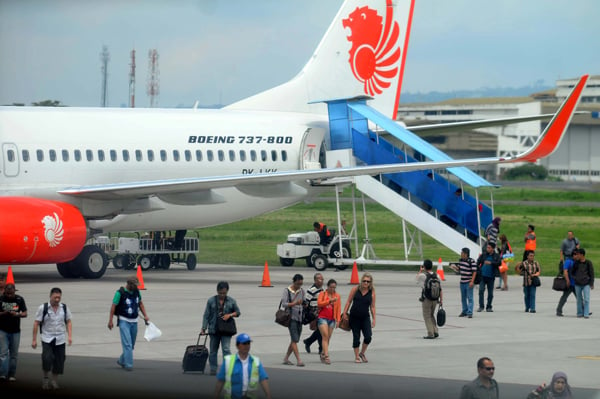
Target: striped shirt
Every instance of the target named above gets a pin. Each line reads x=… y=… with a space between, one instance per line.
x=466 y=268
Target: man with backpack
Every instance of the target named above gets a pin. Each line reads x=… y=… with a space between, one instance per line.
x=53 y=320
x=431 y=294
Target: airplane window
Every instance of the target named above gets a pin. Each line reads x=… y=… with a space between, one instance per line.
x=176 y=155
x=89 y=155
x=188 y=155
x=40 y=155
x=101 y=155
x=284 y=155
x=25 y=155
x=10 y=155
x=113 y=155
x=163 y=155
x=221 y=155
x=209 y=155
x=231 y=155
x=263 y=155
x=65 y=155
x=126 y=155
x=150 y=155
x=198 y=155
x=253 y=155
x=52 y=155
x=78 y=155
x=138 y=155
x=273 y=155
x=242 y=155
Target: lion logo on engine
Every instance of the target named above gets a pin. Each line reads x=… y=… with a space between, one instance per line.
x=53 y=229
x=375 y=53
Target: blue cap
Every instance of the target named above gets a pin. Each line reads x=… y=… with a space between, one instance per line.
x=242 y=338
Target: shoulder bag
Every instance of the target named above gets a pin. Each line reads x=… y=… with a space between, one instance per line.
x=559 y=283
x=283 y=316
x=227 y=327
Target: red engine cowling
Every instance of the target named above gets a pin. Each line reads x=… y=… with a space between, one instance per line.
x=35 y=230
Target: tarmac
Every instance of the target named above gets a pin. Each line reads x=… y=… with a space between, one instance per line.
x=525 y=348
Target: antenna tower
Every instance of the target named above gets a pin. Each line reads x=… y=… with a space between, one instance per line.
x=132 y=80
x=104 y=57
x=153 y=87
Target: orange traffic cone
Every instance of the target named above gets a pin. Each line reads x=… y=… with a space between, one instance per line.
x=354 y=276
x=440 y=270
x=266 y=280
x=140 y=278
x=9 y=276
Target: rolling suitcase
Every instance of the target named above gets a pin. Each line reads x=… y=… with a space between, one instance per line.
x=195 y=356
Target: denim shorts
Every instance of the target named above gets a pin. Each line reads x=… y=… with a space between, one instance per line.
x=330 y=323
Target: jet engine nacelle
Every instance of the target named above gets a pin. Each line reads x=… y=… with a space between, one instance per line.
x=39 y=231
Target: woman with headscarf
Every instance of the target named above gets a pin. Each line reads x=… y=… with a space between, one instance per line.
x=558 y=388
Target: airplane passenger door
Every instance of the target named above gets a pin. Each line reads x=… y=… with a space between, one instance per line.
x=10 y=159
x=313 y=149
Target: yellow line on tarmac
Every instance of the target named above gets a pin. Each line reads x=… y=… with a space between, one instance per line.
x=588 y=357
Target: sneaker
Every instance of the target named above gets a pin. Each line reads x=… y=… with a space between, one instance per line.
x=11 y=379
x=559 y=314
x=526 y=310
x=489 y=310
x=306 y=346
x=532 y=311
x=45 y=384
x=462 y=315
x=480 y=310
x=470 y=316
x=54 y=384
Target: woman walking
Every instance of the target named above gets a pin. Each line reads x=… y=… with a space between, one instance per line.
x=330 y=304
x=529 y=269
x=360 y=301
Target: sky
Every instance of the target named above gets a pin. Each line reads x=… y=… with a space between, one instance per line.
x=220 y=51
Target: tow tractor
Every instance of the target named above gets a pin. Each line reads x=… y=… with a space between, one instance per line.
x=127 y=252
x=308 y=246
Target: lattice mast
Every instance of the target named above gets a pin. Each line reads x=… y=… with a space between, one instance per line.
x=153 y=86
x=132 y=80
x=104 y=57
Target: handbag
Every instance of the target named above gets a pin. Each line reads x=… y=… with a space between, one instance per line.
x=345 y=324
x=440 y=316
x=477 y=276
x=283 y=316
x=535 y=281
x=559 y=283
x=308 y=315
x=227 y=327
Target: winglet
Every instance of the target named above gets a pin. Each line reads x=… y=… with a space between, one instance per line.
x=550 y=138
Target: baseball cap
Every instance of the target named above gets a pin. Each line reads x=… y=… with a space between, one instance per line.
x=133 y=280
x=242 y=338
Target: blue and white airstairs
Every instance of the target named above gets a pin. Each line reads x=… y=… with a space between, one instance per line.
x=425 y=200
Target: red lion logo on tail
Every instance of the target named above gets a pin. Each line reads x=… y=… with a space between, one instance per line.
x=374 y=51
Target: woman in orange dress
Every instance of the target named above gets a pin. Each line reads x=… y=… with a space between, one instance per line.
x=330 y=305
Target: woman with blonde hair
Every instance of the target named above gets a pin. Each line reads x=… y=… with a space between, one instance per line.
x=360 y=301
x=330 y=304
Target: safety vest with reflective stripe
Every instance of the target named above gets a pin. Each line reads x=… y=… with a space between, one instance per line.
x=251 y=391
x=530 y=242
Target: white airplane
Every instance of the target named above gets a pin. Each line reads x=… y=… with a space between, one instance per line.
x=67 y=174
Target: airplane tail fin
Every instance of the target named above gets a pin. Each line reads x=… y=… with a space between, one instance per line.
x=362 y=53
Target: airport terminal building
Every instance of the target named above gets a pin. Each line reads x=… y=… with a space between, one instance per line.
x=575 y=158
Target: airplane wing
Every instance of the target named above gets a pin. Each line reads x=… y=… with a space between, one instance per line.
x=545 y=145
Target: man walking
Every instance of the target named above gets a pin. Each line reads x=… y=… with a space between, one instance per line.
x=567 y=269
x=126 y=304
x=487 y=262
x=583 y=274
x=310 y=305
x=12 y=310
x=484 y=386
x=430 y=296
x=53 y=319
x=467 y=268
x=241 y=373
x=568 y=245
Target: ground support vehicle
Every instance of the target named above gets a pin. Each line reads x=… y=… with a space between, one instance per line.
x=308 y=246
x=127 y=252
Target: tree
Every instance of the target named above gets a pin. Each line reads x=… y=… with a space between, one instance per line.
x=526 y=172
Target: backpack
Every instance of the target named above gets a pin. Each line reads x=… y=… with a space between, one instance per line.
x=45 y=312
x=432 y=287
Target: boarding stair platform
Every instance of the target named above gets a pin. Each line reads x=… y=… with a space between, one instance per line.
x=434 y=204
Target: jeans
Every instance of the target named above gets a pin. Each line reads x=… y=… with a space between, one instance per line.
x=466 y=298
x=9 y=351
x=582 y=292
x=215 y=340
x=489 y=283
x=529 y=297
x=563 y=299
x=128 y=333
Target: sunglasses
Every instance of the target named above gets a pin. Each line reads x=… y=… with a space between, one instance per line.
x=366 y=281
x=490 y=368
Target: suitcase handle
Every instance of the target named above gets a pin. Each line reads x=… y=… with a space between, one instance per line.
x=205 y=338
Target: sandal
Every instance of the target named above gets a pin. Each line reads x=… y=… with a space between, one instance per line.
x=300 y=364
x=288 y=363
x=363 y=358
x=357 y=360
x=326 y=360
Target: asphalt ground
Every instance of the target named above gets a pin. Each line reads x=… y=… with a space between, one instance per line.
x=526 y=348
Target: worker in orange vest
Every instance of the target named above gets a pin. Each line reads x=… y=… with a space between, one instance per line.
x=324 y=233
x=529 y=241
